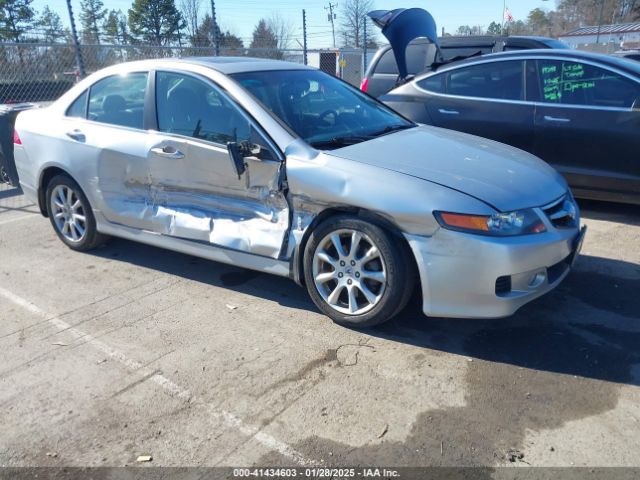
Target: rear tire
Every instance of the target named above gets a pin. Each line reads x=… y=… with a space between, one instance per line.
x=71 y=215
x=357 y=273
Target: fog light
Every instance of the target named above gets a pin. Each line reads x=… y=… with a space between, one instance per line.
x=537 y=279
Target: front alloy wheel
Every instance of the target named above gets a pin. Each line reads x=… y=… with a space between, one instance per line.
x=356 y=272
x=349 y=271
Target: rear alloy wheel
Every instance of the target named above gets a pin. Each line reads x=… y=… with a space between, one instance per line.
x=71 y=214
x=355 y=273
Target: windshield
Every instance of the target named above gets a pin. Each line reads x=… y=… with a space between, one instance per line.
x=324 y=111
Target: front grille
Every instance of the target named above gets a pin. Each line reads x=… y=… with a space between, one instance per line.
x=503 y=285
x=562 y=213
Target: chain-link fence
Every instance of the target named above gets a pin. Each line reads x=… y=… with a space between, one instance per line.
x=39 y=71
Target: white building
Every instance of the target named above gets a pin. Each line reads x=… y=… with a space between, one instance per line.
x=622 y=35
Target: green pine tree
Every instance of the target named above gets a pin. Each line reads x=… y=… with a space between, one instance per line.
x=92 y=15
x=51 y=25
x=155 y=21
x=264 y=42
x=16 y=16
x=115 y=27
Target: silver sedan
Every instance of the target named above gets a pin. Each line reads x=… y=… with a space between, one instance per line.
x=281 y=168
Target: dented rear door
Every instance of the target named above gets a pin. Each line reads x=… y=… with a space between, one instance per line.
x=110 y=145
x=195 y=192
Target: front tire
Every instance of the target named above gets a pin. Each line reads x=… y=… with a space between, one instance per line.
x=357 y=273
x=71 y=215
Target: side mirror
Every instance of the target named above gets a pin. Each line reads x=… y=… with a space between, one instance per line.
x=236 y=155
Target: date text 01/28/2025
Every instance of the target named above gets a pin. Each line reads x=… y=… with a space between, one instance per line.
x=333 y=473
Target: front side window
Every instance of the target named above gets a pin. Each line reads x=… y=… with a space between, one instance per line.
x=119 y=100
x=499 y=80
x=575 y=83
x=194 y=108
x=319 y=108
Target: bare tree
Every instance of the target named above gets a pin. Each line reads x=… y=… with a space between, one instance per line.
x=190 y=12
x=352 y=17
x=283 y=31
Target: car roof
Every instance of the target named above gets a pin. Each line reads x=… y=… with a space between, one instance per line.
x=225 y=65
x=606 y=60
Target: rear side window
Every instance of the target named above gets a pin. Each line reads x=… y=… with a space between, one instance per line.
x=79 y=107
x=499 y=80
x=576 y=83
x=119 y=100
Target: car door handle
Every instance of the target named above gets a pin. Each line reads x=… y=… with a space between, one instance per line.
x=168 y=152
x=549 y=118
x=444 y=111
x=77 y=135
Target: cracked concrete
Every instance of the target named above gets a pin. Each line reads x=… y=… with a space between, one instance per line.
x=558 y=382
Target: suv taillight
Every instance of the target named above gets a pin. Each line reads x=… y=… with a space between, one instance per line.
x=16 y=137
x=364 y=84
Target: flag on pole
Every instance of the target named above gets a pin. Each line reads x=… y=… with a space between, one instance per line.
x=507 y=15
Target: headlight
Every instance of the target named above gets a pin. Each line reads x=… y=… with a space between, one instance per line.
x=521 y=222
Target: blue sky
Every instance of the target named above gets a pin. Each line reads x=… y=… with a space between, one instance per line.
x=240 y=16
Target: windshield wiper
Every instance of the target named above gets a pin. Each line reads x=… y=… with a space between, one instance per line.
x=390 y=129
x=337 y=142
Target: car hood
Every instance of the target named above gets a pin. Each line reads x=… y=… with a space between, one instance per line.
x=504 y=177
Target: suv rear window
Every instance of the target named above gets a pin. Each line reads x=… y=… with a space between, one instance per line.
x=387 y=63
x=419 y=57
x=452 y=52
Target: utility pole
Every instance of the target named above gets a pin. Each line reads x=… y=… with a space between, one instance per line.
x=331 y=18
x=214 y=29
x=76 y=43
x=364 y=45
x=600 y=21
x=304 y=36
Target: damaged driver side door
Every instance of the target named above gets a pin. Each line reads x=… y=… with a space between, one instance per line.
x=196 y=193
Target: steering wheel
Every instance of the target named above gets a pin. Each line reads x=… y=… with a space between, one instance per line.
x=326 y=113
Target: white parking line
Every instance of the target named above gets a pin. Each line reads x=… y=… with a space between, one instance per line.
x=170 y=387
x=17 y=219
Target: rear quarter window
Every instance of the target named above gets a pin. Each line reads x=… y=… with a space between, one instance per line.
x=78 y=108
x=434 y=83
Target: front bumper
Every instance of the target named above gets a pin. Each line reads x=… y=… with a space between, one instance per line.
x=473 y=276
